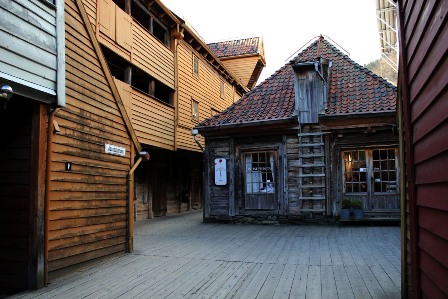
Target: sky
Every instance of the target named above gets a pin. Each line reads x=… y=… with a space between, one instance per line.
x=286 y=25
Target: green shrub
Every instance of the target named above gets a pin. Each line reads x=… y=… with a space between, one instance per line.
x=357 y=204
x=346 y=203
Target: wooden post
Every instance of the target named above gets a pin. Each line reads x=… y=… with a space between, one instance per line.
x=36 y=260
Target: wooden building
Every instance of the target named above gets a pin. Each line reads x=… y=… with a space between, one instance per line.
x=67 y=146
x=423 y=110
x=169 y=80
x=320 y=129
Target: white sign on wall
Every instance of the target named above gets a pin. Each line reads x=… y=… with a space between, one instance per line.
x=220 y=172
x=114 y=150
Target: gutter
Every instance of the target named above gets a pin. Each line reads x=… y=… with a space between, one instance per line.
x=247 y=124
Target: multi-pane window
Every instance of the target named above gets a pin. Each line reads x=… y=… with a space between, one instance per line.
x=195 y=110
x=355 y=171
x=259 y=172
x=370 y=171
x=384 y=171
x=195 y=65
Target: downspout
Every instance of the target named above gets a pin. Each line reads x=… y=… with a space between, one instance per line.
x=177 y=36
x=50 y=132
x=142 y=155
x=60 y=48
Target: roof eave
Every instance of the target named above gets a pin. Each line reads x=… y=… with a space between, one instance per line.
x=207 y=129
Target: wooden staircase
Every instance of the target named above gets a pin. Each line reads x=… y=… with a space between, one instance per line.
x=312 y=173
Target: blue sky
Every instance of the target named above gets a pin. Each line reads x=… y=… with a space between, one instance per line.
x=286 y=25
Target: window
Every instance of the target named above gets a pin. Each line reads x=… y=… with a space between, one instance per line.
x=384 y=171
x=149 y=18
x=195 y=65
x=355 y=171
x=221 y=90
x=195 y=110
x=259 y=172
x=372 y=171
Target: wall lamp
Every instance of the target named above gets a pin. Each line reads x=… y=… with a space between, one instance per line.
x=5 y=94
x=195 y=132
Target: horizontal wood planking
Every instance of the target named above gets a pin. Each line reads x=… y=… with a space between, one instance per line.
x=242 y=67
x=30 y=29
x=204 y=89
x=86 y=201
x=153 y=121
x=424 y=34
x=152 y=56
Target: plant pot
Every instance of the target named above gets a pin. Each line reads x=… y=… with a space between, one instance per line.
x=358 y=214
x=345 y=213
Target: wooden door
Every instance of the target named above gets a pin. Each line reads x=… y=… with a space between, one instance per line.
x=371 y=175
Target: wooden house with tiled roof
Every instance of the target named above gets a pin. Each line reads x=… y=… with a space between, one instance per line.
x=319 y=130
x=243 y=57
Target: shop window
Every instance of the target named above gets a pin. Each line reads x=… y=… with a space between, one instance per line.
x=373 y=171
x=259 y=172
x=355 y=171
x=384 y=171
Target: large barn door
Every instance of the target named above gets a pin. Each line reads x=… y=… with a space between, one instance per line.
x=312 y=170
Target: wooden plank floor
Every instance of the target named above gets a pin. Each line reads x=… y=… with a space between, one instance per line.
x=180 y=257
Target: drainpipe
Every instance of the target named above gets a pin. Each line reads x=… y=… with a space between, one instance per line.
x=145 y=156
x=51 y=131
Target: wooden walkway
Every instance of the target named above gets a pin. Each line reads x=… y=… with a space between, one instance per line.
x=180 y=257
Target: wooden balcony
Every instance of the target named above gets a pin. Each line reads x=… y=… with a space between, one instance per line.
x=152 y=120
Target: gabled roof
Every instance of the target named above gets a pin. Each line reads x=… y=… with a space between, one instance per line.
x=238 y=47
x=353 y=90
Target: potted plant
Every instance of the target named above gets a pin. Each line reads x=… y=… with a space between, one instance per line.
x=345 y=209
x=357 y=209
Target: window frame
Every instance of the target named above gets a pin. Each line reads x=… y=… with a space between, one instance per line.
x=195 y=65
x=195 y=110
x=370 y=171
x=265 y=178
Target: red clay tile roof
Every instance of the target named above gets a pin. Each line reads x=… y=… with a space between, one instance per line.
x=236 y=47
x=353 y=90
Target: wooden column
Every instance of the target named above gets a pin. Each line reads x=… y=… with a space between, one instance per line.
x=36 y=249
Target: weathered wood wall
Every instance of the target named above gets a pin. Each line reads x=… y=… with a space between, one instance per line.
x=204 y=89
x=423 y=83
x=28 y=28
x=218 y=198
x=88 y=212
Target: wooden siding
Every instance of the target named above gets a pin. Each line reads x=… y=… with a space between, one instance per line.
x=423 y=83
x=309 y=95
x=242 y=67
x=126 y=37
x=29 y=29
x=217 y=198
x=88 y=210
x=204 y=89
x=152 y=120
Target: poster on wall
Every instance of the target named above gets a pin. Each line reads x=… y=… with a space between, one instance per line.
x=220 y=172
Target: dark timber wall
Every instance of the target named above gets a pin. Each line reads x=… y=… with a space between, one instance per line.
x=424 y=94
